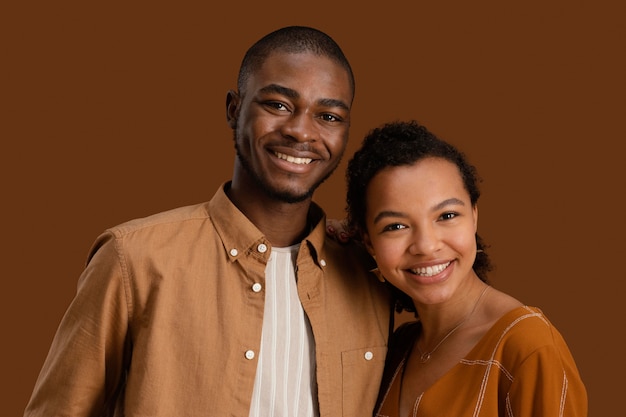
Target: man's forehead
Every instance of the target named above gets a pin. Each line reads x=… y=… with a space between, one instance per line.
x=284 y=68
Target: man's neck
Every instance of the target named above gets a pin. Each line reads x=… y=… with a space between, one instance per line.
x=283 y=224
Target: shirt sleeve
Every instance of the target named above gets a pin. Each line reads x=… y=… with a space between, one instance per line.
x=85 y=366
x=547 y=383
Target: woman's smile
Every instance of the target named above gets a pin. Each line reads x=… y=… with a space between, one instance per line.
x=430 y=271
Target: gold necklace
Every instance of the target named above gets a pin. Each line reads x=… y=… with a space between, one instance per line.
x=425 y=356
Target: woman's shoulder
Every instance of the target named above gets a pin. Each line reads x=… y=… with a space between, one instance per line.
x=506 y=316
x=509 y=325
x=523 y=321
x=521 y=332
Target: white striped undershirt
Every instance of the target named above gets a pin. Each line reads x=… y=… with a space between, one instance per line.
x=285 y=383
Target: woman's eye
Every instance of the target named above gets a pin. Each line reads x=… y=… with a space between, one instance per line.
x=393 y=226
x=448 y=216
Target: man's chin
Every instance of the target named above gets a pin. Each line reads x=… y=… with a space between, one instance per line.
x=290 y=197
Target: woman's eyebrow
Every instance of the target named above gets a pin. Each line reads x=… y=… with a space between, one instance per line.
x=387 y=213
x=390 y=213
x=449 y=202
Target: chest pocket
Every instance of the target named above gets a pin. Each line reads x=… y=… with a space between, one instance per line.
x=362 y=371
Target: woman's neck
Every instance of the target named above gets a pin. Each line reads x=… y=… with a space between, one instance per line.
x=440 y=320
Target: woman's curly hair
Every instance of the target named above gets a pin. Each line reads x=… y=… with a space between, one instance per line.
x=398 y=144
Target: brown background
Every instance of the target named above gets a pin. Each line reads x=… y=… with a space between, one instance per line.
x=116 y=111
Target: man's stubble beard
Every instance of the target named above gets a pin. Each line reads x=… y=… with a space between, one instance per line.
x=278 y=195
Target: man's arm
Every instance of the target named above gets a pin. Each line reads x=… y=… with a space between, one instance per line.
x=86 y=363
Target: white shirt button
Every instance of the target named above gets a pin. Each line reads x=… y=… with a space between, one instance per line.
x=368 y=356
x=256 y=287
x=249 y=354
x=234 y=252
x=262 y=248
x=322 y=262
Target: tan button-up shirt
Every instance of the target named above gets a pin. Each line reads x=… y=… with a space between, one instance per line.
x=168 y=314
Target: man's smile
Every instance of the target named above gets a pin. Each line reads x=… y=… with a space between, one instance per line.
x=293 y=159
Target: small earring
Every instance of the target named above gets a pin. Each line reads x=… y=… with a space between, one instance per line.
x=479 y=250
x=378 y=274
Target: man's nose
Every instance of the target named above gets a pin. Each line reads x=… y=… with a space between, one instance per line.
x=301 y=127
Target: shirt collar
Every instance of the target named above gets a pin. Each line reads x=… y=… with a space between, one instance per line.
x=240 y=236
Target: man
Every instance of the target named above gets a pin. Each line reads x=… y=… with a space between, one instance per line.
x=241 y=306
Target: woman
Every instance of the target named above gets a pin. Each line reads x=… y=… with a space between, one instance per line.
x=473 y=350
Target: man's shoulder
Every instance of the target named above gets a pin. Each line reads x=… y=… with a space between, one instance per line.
x=352 y=254
x=172 y=218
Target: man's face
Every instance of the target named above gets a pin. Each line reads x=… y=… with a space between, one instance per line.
x=291 y=124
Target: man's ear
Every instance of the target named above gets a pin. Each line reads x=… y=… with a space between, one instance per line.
x=232 y=108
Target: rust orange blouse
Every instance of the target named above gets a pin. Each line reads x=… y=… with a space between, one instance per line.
x=522 y=367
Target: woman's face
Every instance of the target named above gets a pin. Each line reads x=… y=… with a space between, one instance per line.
x=421 y=228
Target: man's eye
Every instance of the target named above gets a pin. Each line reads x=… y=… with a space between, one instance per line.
x=330 y=118
x=276 y=105
x=393 y=226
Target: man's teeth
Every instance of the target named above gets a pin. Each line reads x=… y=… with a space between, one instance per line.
x=429 y=271
x=293 y=160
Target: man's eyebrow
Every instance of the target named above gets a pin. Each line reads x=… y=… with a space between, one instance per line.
x=279 y=89
x=331 y=102
x=293 y=94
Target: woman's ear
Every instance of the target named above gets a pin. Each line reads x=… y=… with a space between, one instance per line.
x=475 y=211
x=232 y=108
x=367 y=242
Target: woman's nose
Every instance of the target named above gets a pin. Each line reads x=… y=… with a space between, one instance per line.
x=425 y=241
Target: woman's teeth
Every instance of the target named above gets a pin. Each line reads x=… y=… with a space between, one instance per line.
x=429 y=271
